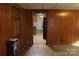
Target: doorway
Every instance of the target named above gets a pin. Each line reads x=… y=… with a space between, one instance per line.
x=39 y=27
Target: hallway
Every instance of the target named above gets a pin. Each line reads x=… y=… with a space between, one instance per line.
x=38 y=38
x=39 y=47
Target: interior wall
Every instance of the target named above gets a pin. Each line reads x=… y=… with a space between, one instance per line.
x=13 y=19
x=5 y=28
x=26 y=30
x=63 y=27
x=38 y=21
x=39 y=25
x=29 y=27
x=34 y=19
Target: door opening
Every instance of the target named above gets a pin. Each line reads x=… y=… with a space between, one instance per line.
x=39 y=28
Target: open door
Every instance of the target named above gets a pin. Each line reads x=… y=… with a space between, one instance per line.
x=45 y=28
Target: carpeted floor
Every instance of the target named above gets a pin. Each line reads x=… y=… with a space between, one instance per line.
x=40 y=48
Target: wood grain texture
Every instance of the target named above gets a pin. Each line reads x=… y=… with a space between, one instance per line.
x=15 y=22
x=26 y=27
x=26 y=37
x=5 y=27
x=10 y=18
x=62 y=29
x=29 y=27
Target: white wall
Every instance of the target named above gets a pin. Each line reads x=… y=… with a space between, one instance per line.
x=34 y=20
x=39 y=25
x=39 y=21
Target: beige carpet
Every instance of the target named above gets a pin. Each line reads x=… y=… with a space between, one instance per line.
x=38 y=38
x=39 y=48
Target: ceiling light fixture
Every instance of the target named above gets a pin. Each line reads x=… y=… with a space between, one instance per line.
x=41 y=16
x=62 y=14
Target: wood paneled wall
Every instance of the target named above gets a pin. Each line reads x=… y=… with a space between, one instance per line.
x=15 y=22
x=26 y=28
x=63 y=27
x=29 y=23
x=5 y=30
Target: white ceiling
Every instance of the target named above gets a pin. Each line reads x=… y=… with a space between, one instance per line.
x=69 y=6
